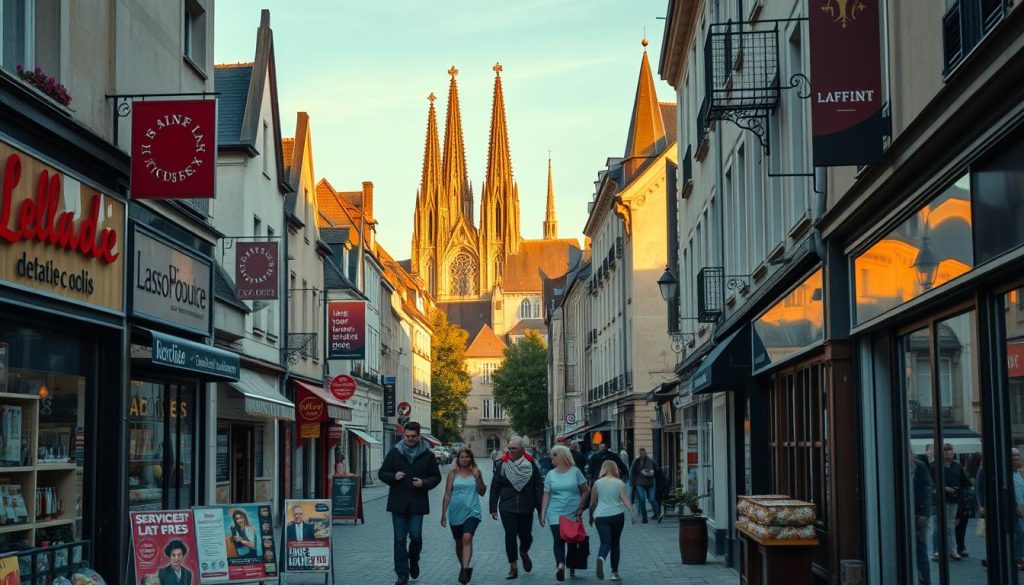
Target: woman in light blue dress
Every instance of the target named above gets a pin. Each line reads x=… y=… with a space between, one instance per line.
x=566 y=493
x=461 y=508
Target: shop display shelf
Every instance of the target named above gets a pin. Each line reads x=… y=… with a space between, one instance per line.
x=17 y=396
x=20 y=469
x=5 y=528
x=62 y=466
x=51 y=523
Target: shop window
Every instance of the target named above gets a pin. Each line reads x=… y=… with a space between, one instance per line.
x=161 y=445
x=791 y=325
x=699 y=453
x=997 y=184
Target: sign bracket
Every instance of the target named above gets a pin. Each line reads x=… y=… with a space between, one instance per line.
x=123 y=103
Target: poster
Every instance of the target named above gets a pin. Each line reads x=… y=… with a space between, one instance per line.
x=345 y=497
x=307 y=535
x=346 y=330
x=236 y=543
x=9 y=571
x=165 y=548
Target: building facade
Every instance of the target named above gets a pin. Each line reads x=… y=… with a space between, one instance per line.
x=486 y=427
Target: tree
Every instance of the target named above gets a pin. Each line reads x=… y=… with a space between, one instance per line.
x=521 y=384
x=449 y=381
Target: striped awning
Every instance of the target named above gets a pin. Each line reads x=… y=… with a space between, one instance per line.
x=261 y=399
x=364 y=437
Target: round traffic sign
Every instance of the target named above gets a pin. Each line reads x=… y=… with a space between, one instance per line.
x=570 y=419
x=343 y=387
x=404 y=409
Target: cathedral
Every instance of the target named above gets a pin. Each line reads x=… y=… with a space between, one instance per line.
x=482 y=274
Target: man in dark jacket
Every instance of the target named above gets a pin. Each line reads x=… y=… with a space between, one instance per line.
x=517 y=489
x=578 y=458
x=598 y=459
x=410 y=468
x=645 y=483
x=923 y=490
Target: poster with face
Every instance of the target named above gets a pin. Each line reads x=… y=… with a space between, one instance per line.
x=236 y=543
x=164 y=545
x=307 y=535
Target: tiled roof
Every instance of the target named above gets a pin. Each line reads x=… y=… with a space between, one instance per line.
x=486 y=344
x=525 y=325
x=287 y=150
x=232 y=82
x=334 y=278
x=668 y=114
x=334 y=235
x=471 y=315
x=536 y=258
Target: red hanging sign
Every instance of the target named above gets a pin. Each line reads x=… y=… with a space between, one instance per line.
x=256 y=271
x=846 y=82
x=343 y=387
x=174 y=149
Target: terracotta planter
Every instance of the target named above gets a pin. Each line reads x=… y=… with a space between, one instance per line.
x=693 y=539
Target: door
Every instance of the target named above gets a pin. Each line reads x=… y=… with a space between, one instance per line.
x=243 y=475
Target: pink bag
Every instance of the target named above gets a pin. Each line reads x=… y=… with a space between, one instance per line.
x=571 y=530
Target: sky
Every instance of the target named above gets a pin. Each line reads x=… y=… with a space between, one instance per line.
x=362 y=70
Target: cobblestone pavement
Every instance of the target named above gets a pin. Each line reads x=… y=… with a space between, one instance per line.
x=363 y=552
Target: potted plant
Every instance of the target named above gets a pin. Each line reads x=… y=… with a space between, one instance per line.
x=693 y=528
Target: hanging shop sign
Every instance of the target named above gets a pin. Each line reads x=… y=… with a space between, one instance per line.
x=59 y=236
x=1015 y=359
x=174 y=149
x=236 y=543
x=846 y=82
x=256 y=271
x=170 y=285
x=389 y=396
x=164 y=545
x=343 y=387
x=307 y=536
x=346 y=330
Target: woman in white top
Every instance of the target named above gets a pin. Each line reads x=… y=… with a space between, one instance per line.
x=608 y=506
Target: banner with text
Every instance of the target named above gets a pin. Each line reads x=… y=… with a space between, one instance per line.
x=164 y=545
x=236 y=543
x=307 y=536
x=174 y=149
x=346 y=330
x=256 y=271
x=846 y=82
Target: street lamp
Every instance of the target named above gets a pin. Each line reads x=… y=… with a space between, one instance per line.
x=926 y=265
x=669 y=285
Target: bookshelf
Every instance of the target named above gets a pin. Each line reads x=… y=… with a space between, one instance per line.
x=43 y=492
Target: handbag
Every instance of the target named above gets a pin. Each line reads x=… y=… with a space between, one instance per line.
x=968 y=503
x=571 y=530
x=979 y=531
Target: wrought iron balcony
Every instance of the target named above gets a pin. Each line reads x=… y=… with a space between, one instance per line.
x=710 y=294
x=300 y=345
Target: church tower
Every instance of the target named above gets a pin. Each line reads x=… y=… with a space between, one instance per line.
x=458 y=191
x=499 y=206
x=550 y=223
x=427 y=220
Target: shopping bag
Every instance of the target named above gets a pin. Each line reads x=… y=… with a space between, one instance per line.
x=979 y=531
x=577 y=554
x=571 y=530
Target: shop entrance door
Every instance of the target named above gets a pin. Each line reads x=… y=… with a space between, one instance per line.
x=162 y=445
x=242 y=457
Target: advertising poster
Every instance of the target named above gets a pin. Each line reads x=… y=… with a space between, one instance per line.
x=165 y=548
x=346 y=330
x=236 y=543
x=9 y=572
x=307 y=536
x=345 y=497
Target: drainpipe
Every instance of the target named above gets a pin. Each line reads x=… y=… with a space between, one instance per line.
x=625 y=330
x=820 y=192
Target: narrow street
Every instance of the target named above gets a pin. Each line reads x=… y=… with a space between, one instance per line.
x=650 y=552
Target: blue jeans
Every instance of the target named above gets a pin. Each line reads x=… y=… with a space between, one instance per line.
x=647 y=494
x=559 y=544
x=924 y=575
x=610 y=530
x=407 y=526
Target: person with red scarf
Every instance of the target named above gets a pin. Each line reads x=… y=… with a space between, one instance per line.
x=517 y=490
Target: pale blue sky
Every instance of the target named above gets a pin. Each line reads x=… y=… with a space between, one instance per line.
x=363 y=70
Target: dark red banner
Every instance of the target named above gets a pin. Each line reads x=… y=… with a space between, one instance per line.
x=846 y=82
x=346 y=330
x=256 y=271
x=174 y=149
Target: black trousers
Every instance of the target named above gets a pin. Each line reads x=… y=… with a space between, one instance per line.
x=517 y=527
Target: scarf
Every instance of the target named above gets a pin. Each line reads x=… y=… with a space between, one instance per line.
x=517 y=472
x=411 y=453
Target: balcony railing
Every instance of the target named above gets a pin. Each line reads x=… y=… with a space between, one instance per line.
x=710 y=294
x=964 y=25
x=300 y=345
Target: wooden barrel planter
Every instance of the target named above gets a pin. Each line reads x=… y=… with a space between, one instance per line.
x=693 y=539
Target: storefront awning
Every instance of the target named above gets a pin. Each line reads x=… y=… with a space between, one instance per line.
x=171 y=351
x=364 y=437
x=727 y=365
x=664 y=392
x=601 y=426
x=336 y=409
x=261 y=399
x=434 y=442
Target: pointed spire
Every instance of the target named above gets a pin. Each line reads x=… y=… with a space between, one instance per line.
x=550 y=223
x=431 y=180
x=646 y=128
x=456 y=180
x=425 y=216
x=499 y=159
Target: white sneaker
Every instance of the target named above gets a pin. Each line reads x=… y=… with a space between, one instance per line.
x=615 y=576
x=600 y=567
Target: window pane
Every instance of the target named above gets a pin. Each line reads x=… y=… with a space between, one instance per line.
x=1014 y=322
x=998 y=185
x=915 y=356
x=13 y=36
x=145 y=446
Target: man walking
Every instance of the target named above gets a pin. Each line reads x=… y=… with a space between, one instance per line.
x=598 y=459
x=642 y=473
x=578 y=458
x=411 y=470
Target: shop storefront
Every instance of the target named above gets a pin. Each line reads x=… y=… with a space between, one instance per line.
x=319 y=417
x=62 y=265
x=938 y=319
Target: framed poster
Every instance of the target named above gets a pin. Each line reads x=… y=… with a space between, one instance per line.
x=164 y=545
x=307 y=536
x=236 y=543
x=346 y=497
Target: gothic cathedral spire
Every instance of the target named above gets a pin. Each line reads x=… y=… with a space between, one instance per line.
x=550 y=223
x=430 y=218
x=499 y=206
x=456 y=182
x=646 y=128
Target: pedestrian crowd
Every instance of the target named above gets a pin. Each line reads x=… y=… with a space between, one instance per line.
x=557 y=486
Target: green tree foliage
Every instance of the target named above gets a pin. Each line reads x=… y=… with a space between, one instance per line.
x=449 y=381
x=521 y=384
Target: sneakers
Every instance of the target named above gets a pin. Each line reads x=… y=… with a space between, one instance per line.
x=935 y=556
x=600 y=567
x=963 y=553
x=955 y=555
x=615 y=576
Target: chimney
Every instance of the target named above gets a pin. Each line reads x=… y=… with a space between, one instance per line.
x=367 y=203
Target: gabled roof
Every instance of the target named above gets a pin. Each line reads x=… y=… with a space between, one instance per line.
x=536 y=259
x=470 y=315
x=232 y=83
x=224 y=289
x=486 y=344
x=525 y=325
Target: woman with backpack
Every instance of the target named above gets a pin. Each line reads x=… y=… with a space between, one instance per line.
x=565 y=494
x=461 y=507
x=608 y=505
